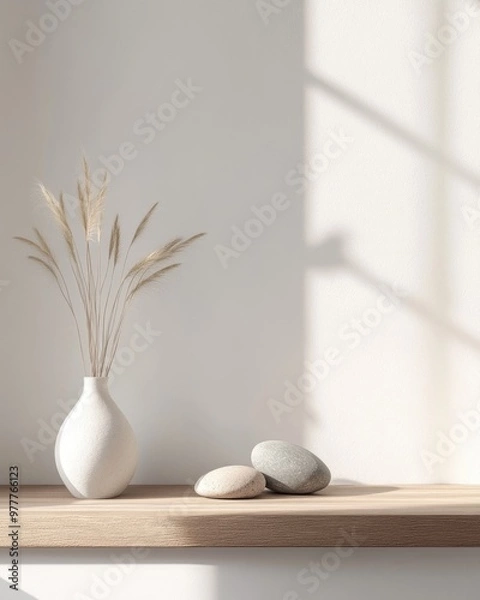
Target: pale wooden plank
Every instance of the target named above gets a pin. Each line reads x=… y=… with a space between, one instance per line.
x=173 y=516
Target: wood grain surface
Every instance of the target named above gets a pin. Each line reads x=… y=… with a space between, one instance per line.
x=173 y=516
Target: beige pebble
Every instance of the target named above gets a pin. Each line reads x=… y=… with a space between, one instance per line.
x=230 y=483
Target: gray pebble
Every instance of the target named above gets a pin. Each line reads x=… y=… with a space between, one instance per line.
x=290 y=469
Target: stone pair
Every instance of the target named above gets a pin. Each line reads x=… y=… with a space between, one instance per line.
x=280 y=466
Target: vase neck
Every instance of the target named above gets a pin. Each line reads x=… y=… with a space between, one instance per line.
x=95 y=385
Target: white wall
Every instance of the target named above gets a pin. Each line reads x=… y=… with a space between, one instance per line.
x=393 y=208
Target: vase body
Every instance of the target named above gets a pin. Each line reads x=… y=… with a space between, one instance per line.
x=96 y=451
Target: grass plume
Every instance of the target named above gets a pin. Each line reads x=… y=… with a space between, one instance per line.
x=143 y=223
x=102 y=290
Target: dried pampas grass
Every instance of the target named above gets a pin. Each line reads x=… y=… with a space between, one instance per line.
x=103 y=290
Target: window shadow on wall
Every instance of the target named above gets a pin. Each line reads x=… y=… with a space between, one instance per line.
x=6 y=592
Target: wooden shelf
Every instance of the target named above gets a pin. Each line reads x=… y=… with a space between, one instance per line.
x=173 y=516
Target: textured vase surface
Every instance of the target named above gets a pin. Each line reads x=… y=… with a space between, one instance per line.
x=96 y=450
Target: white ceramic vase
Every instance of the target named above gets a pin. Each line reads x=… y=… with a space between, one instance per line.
x=96 y=450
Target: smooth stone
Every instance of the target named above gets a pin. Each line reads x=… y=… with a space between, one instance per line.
x=290 y=469
x=231 y=483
